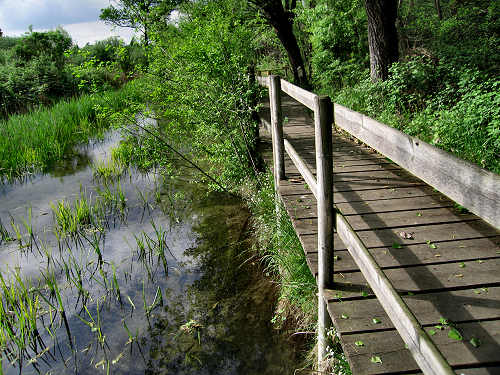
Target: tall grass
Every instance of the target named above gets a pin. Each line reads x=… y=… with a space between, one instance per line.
x=281 y=251
x=32 y=142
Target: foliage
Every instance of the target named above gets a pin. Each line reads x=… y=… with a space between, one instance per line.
x=42 y=67
x=203 y=89
x=280 y=247
x=36 y=44
x=34 y=141
x=337 y=33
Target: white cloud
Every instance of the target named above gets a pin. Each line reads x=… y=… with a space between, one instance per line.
x=47 y=14
x=88 y=32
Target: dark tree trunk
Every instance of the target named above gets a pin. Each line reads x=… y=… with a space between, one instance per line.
x=437 y=3
x=382 y=36
x=282 y=22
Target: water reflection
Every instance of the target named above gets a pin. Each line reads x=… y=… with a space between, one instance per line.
x=158 y=285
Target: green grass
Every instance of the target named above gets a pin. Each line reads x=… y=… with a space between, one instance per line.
x=34 y=141
x=281 y=250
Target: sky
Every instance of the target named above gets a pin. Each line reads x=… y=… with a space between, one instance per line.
x=79 y=17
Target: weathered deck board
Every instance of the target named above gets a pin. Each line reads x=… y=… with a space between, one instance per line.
x=444 y=263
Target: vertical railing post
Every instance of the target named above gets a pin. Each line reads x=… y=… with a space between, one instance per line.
x=323 y=118
x=277 y=129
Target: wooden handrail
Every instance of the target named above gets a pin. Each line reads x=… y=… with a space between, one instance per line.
x=303 y=96
x=432 y=165
x=472 y=187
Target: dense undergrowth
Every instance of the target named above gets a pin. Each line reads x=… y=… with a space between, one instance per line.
x=33 y=142
x=444 y=89
x=40 y=68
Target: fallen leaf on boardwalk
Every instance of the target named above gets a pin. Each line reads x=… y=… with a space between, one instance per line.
x=344 y=316
x=461 y=265
x=475 y=342
x=408 y=236
x=459 y=275
x=376 y=359
x=359 y=343
x=455 y=335
x=295 y=180
x=432 y=332
x=376 y=321
x=395 y=245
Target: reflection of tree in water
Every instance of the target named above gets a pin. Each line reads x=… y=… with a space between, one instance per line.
x=222 y=324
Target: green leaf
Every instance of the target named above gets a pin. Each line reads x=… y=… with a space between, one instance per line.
x=336 y=257
x=475 y=342
x=454 y=334
x=432 y=332
x=461 y=265
x=359 y=343
x=419 y=214
x=376 y=359
x=344 y=316
x=440 y=327
x=443 y=321
x=376 y=321
x=396 y=245
x=364 y=294
x=411 y=293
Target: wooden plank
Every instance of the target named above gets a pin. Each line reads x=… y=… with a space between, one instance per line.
x=474 y=188
x=394 y=219
x=395 y=358
x=303 y=96
x=456 y=306
x=436 y=277
x=412 y=255
x=486 y=370
x=304 y=206
x=423 y=350
x=294 y=187
x=385 y=238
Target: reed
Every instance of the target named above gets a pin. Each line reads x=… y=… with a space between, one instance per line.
x=34 y=141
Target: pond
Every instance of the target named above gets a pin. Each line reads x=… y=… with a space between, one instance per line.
x=108 y=270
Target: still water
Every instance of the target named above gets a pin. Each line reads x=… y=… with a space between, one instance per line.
x=156 y=281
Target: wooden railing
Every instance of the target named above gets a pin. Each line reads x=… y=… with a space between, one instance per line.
x=472 y=187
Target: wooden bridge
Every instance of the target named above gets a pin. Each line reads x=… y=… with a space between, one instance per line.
x=409 y=278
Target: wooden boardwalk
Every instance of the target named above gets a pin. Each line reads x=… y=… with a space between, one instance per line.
x=443 y=262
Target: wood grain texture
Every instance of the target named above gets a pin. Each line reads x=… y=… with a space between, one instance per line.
x=422 y=348
x=303 y=96
x=448 y=267
x=474 y=188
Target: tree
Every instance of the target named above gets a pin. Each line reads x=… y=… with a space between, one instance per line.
x=382 y=36
x=136 y=14
x=51 y=44
x=281 y=19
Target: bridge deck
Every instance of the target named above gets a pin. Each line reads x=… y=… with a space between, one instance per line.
x=444 y=263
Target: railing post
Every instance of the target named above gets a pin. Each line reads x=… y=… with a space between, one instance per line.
x=323 y=118
x=277 y=129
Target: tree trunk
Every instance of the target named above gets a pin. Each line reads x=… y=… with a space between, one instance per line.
x=281 y=21
x=438 y=9
x=382 y=36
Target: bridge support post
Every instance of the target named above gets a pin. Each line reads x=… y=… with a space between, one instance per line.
x=277 y=129
x=323 y=118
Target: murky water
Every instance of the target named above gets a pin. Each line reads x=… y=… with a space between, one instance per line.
x=160 y=284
